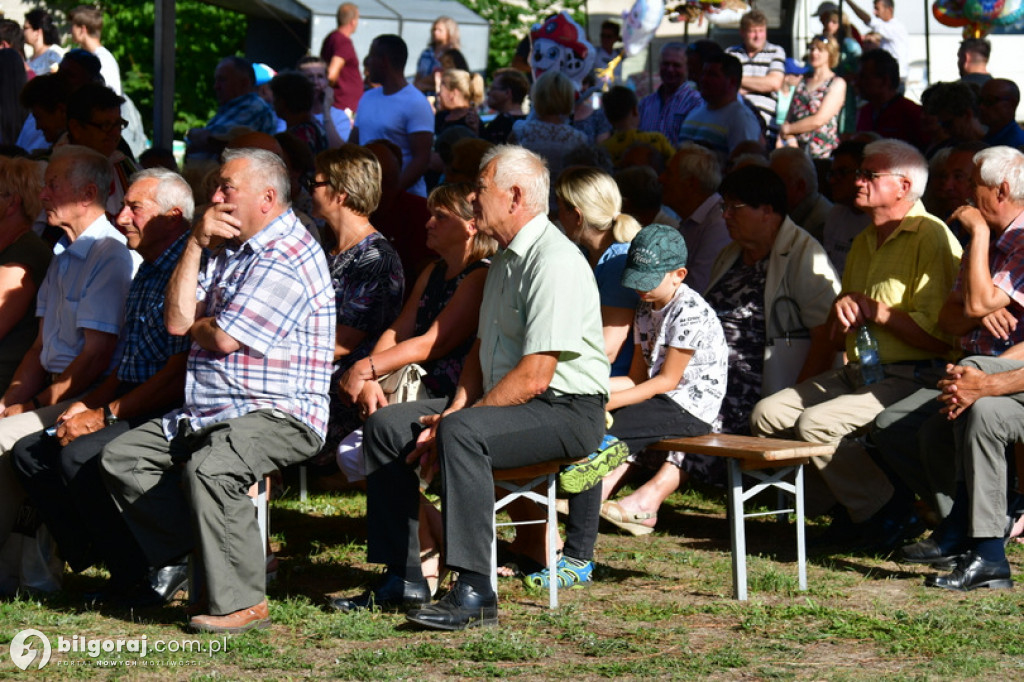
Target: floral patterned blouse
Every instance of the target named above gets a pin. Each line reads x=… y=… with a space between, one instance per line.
x=820 y=142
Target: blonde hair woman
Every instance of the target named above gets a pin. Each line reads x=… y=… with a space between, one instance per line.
x=24 y=258
x=458 y=97
x=444 y=36
x=813 y=120
x=548 y=133
x=590 y=211
x=436 y=328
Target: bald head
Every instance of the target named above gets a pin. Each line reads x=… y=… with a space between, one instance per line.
x=997 y=103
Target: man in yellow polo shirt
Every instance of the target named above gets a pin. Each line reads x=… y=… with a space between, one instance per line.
x=898 y=274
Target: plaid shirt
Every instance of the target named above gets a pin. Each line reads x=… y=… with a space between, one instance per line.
x=245 y=110
x=273 y=295
x=667 y=117
x=147 y=343
x=1006 y=263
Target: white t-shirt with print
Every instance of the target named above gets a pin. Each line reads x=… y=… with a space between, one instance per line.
x=687 y=322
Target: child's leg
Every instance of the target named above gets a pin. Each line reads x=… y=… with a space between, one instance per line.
x=639 y=426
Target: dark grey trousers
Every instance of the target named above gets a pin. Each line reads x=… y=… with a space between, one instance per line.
x=471 y=443
x=196 y=486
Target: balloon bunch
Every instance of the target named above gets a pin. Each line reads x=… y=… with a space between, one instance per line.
x=978 y=16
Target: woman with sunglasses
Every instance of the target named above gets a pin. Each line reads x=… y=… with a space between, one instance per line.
x=813 y=120
x=365 y=269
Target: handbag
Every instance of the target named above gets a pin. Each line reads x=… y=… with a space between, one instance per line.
x=784 y=356
x=404 y=385
x=29 y=559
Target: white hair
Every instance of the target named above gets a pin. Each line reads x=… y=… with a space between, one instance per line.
x=903 y=159
x=700 y=163
x=267 y=166
x=519 y=167
x=171 y=191
x=87 y=167
x=997 y=165
x=795 y=164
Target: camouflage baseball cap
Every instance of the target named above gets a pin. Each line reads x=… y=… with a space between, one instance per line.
x=655 y=250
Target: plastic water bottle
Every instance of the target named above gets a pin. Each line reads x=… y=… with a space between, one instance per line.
x=867 y=352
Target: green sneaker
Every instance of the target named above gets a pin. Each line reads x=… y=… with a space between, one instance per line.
x=576 y=478
x=571 y=573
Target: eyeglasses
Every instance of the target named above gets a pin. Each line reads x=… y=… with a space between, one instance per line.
x=871 y=176
x=823 y=39
x=119 y=124
x=728 y=207
x=310 y=184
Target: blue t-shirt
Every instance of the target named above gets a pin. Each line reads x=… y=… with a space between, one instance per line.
x=608 y=273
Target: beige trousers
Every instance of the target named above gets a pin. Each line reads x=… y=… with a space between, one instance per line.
x=835 y=407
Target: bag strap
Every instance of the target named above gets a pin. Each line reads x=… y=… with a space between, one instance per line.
x=773 y=317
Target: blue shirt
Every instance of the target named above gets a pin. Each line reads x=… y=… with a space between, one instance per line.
x=85 y=288
x=608 y=272
x=245 y=110
x=1011 y=135
x=146 y=341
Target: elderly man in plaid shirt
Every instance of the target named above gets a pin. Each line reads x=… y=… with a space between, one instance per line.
x=260 y=312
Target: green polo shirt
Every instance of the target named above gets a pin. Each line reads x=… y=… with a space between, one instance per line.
x=541 y=297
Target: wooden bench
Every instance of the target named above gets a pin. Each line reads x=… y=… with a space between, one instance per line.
x=751 y=456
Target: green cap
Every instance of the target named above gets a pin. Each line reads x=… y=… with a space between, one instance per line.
x=655 y=250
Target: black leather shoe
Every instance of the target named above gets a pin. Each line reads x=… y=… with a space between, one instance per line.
x=972 y=572
x=156 y=588
x=926 y=551
x=463 y=607
x=169 y=580
x=393 y=594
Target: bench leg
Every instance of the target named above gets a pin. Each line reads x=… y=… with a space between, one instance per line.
x=552 y=543
x=737 y=532
x=801 y=544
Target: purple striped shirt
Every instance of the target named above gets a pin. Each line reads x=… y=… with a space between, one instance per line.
x=667 y=117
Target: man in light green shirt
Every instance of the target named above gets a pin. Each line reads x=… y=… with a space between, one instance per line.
x=533 y=390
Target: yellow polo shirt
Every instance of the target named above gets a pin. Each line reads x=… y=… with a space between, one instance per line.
x=913 y=271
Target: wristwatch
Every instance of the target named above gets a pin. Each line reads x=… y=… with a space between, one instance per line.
x=109 y=417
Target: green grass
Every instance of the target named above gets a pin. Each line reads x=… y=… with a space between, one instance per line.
x=660 y=608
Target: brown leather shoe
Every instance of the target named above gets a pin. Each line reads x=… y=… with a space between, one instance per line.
x=235 y=623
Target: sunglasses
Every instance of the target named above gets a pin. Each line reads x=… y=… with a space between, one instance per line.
x=310 y=184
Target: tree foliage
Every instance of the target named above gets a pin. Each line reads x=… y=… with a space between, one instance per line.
x=205 y=34
x=511 y=21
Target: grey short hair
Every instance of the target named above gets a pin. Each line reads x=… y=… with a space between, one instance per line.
x=694 y=161
x=519 y=167
x=904 y=159
x=797 y=164
x=997 y=165
x=87 y=167
x=674 y=46
x=265 y=165
x=171 y=191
